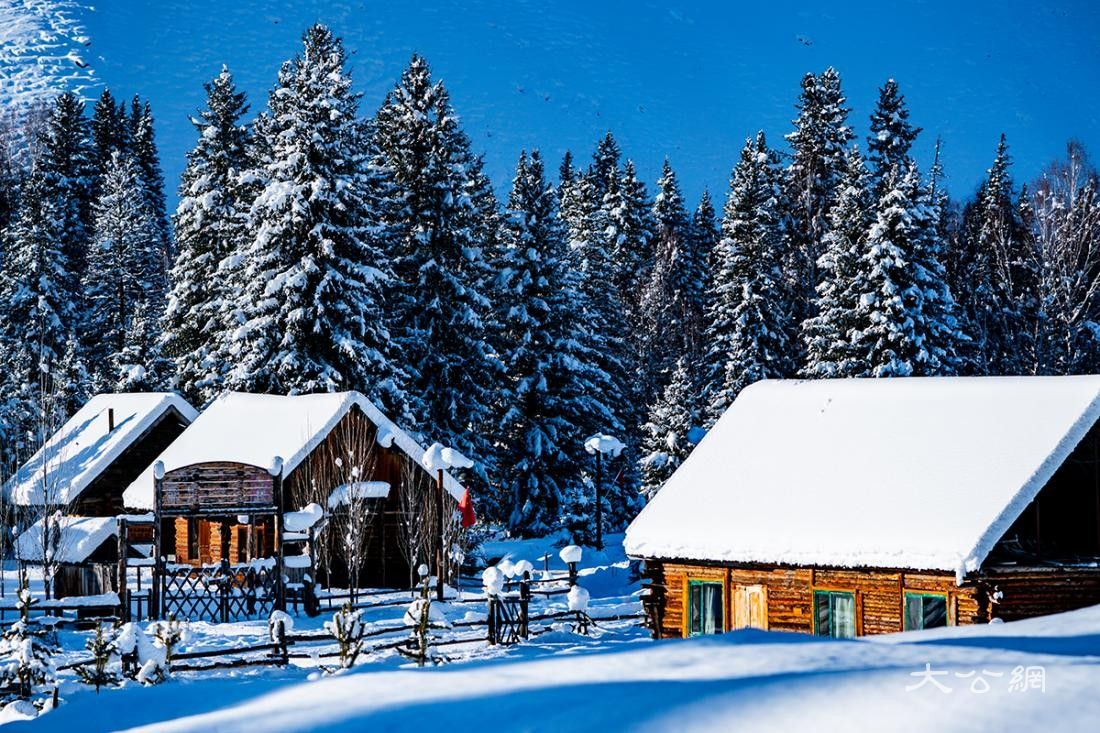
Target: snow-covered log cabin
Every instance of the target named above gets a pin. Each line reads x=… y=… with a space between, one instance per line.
x=80 y=473
x=869 y=506
x=333 y=450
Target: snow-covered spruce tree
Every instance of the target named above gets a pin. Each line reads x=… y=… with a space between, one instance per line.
x=827 y=335
x=26 y=653
x=1005 y=279
x=553 y=391
x=37 y=309
x=143 y=150
x=110 y=130
x=818 y=143
x=124 y=269
x=313 y=271
x=66 y=162
x=210 y=222
x=139 y=365
x=892 y=136
x=750 y=314
x=905 y=322
x=695 y=275
x=437 y=252
x=663 y=322
x=665 y=435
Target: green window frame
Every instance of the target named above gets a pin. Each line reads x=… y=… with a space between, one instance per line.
x=924 y=610
x=706 y=608
x=835 y=614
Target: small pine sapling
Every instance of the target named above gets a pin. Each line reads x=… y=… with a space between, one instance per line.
x=168 y=635
x=100 y=672
x=26 y=652
x=346 y=627
x=421 y=615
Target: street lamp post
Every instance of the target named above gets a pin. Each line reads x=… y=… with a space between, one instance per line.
x=600 y=445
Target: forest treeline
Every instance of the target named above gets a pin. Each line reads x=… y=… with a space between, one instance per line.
x=317 y=247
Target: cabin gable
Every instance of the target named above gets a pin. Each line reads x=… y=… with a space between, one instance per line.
x=103 y=496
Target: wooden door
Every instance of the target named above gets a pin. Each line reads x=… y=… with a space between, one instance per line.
x=750 y=607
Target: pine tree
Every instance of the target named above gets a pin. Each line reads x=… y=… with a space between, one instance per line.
x=440 y=263
x=906 y=323
x=553 y=389
x=313 y=270
x=139 y=365
x=891 y=137
x=37 y=312
x=143 y=149
x=1006 y=275
x=750 y=309
x=124 y=268
x=210 y=222
x=698 y=272
x=66 y=162
x=828 y=335
x=664 y=312
x=27 y=653
x=666 y=442
x=110 y=131
x=818 y=144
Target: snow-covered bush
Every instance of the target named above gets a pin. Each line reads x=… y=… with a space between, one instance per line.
x=102 y=671
x=26 y=653
x=168 y=635
x=144 y=659
x=346 y=627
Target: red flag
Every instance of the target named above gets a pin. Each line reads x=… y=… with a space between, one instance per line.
x=466 y=506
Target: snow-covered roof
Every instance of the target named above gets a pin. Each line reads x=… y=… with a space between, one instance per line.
x=922 y=473
x=255 y=428
x=78 y=537
x=84 y=447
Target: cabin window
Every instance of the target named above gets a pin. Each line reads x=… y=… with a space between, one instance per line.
x=705 y=608
x=835 y=614
x=925 y=611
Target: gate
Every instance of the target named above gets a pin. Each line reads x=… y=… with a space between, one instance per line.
x=508 y=615
x=219 y=593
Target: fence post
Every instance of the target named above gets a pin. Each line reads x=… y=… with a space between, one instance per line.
x=223 y=592
x=572 y=574
x=120 y=582
x=524 y=602
x=492 y=621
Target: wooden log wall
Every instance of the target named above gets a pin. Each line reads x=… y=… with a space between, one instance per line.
x=1015 y=594
x=879 y=594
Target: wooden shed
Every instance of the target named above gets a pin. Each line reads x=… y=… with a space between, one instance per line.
x=861 y=506
x=78 y=477
x=221 y=500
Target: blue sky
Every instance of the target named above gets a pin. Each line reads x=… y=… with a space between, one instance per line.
x=687 y=80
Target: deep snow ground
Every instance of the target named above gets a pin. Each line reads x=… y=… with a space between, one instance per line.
x=618 y=679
